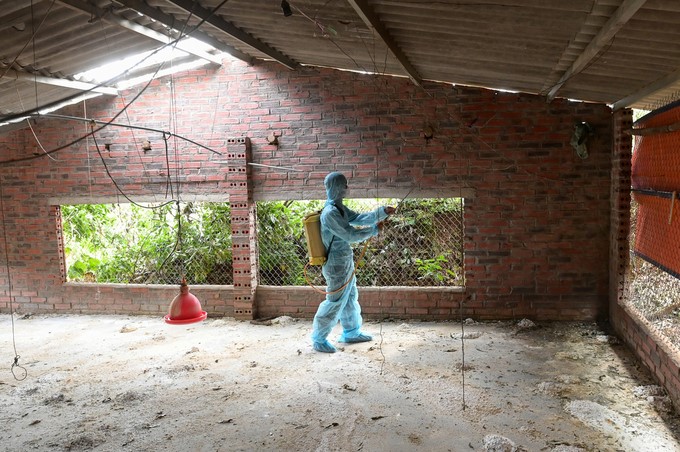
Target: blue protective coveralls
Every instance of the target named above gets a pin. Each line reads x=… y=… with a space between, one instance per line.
x=341 y=226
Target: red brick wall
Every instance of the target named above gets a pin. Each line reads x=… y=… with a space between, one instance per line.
x=537 y=216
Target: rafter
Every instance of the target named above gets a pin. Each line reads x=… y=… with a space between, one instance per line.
x=137 y=28
x=72 y=84
x=373 y=22
x=232 y=30
x=172 y=22
x=668 y=80
x=620 y=17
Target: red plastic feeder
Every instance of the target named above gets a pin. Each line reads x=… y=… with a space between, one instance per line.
x=185 y=308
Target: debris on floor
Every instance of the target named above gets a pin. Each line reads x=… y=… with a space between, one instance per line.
x=417 y=387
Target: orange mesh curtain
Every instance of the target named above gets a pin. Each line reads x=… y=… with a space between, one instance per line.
x=656 y=187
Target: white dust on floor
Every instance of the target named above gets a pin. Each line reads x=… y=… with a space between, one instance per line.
x=111 y=383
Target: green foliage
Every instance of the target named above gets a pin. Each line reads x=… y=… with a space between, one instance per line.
x=282 y=244
x=435 y=269
x=420 y=246
x=125 y=243
x=416 y=248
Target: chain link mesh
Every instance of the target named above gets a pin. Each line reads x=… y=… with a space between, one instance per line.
x=420 y=246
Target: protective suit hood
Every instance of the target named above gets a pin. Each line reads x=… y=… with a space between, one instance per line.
x=336 y=186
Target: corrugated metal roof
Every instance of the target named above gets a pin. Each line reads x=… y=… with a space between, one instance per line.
x=621 y=52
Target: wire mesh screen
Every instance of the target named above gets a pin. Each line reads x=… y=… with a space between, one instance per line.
x=655 y=178
x=419 y=246
x=134 y=243
x=654 y=292
x=654 y=273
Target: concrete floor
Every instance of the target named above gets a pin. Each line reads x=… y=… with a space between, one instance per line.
x=111 y=383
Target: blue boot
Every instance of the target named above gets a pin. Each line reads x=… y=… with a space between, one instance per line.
x=324 y=347
x=361 y=337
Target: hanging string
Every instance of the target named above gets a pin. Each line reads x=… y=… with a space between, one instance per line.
x=19 y=372
x=377 y=168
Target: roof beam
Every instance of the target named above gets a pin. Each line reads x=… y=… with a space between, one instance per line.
x=148 y=32
x=72 y=84
x=373 y=23
x=620 y=17
x=172 y=22
x=216 y=21
x=670 y=79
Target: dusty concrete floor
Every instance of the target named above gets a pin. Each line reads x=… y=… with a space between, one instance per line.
x=116 y=383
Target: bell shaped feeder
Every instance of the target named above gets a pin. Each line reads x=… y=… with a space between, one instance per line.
x=185 y=308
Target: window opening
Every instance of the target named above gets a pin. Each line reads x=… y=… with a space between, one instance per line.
x=419 y=247
x=125 y=243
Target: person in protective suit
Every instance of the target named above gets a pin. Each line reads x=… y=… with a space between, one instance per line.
x=341 y=226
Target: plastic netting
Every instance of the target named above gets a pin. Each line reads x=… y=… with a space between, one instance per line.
x=656 y=187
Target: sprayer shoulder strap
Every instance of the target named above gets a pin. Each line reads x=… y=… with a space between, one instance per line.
x=333 y=237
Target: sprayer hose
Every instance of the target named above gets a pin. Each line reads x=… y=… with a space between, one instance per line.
x=361 y=256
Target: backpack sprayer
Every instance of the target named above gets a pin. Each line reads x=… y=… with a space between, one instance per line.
x=317 y=251
x=315 y=248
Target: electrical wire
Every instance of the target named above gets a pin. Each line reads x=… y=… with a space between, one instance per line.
x=28 y=122
x=35 y=63
x=120 y=190
x=135 y=142
x=177 y=240
x=105 y=83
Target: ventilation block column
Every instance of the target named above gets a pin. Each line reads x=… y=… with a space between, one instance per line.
x=243 y=230
x=620 y=209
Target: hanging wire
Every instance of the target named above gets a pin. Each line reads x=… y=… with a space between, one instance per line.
x=119 y=76
x=19 y=372
x=108 y=173
x=35 y=64
x=28 y=122
x=169 y=172
x=173 y=126
x=377 y=179
x=35 y=111
x=135 y=142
